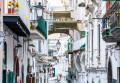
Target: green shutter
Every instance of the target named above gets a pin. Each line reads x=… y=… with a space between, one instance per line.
x=42 y=26
x=53 y=72
x=4 y=76
x=39 y=47
x=50 y=52
x=5 y=53
x=11 y=77
x=114 y=81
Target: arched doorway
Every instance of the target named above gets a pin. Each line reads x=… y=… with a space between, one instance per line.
x=109 y=72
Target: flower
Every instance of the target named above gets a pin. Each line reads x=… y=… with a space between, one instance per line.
x=19 y=6
x=10 y=3
x=16 y=4
x=26 y=17
x=30 y=24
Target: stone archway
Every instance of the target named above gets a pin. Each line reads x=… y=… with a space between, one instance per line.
x=109 y=72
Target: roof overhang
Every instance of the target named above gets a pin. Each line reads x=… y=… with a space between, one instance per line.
x=15 y=23
x=35 y=34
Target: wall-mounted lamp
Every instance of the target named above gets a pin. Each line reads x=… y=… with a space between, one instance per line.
x=31 y=45
x=39 y=9
x=58 y=45
x=18 y=46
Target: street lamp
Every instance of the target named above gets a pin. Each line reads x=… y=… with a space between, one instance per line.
x=39 y=9
x=58 y=44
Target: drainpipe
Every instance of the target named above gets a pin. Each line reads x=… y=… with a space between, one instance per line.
x=1 y=39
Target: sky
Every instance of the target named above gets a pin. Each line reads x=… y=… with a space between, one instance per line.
x=55 y=3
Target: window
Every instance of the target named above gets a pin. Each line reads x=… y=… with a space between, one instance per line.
x=92 y=42
x=82 y=34
x=99 y=39
x=87 y=42
x=39 y=46
x=50 y=52
x=40 y=79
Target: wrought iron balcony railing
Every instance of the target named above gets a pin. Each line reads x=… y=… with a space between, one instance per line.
x=108 y=37
x=115 y=24
x=114 y=7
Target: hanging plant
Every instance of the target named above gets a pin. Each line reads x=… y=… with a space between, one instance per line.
x=10 y=3
x=82 y=4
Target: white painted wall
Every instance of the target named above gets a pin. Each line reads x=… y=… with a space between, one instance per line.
x=10 y=53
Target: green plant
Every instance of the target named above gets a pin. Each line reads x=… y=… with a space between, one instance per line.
x=82 y=4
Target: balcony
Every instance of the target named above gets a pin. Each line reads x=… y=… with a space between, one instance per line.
x=108 y=37
x=61 y=14
x=65 y=24
x=16 y=17
x=35 y=33
x=55 y=30
x=77 y=45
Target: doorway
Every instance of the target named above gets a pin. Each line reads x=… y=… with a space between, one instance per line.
x=109 y=71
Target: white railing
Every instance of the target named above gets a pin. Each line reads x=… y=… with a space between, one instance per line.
x=77 y=44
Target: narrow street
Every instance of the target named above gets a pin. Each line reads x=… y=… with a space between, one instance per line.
x=59 y=41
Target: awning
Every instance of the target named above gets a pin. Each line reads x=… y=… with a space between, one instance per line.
x=42 y=26
x=82 y=46
x=15 y=23
x=41 y=60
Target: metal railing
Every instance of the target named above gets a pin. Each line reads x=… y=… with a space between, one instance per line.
x=62 y=19
x=114 y=7
x=115 y=20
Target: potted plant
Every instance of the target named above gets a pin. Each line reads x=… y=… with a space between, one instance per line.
x=82 y=4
